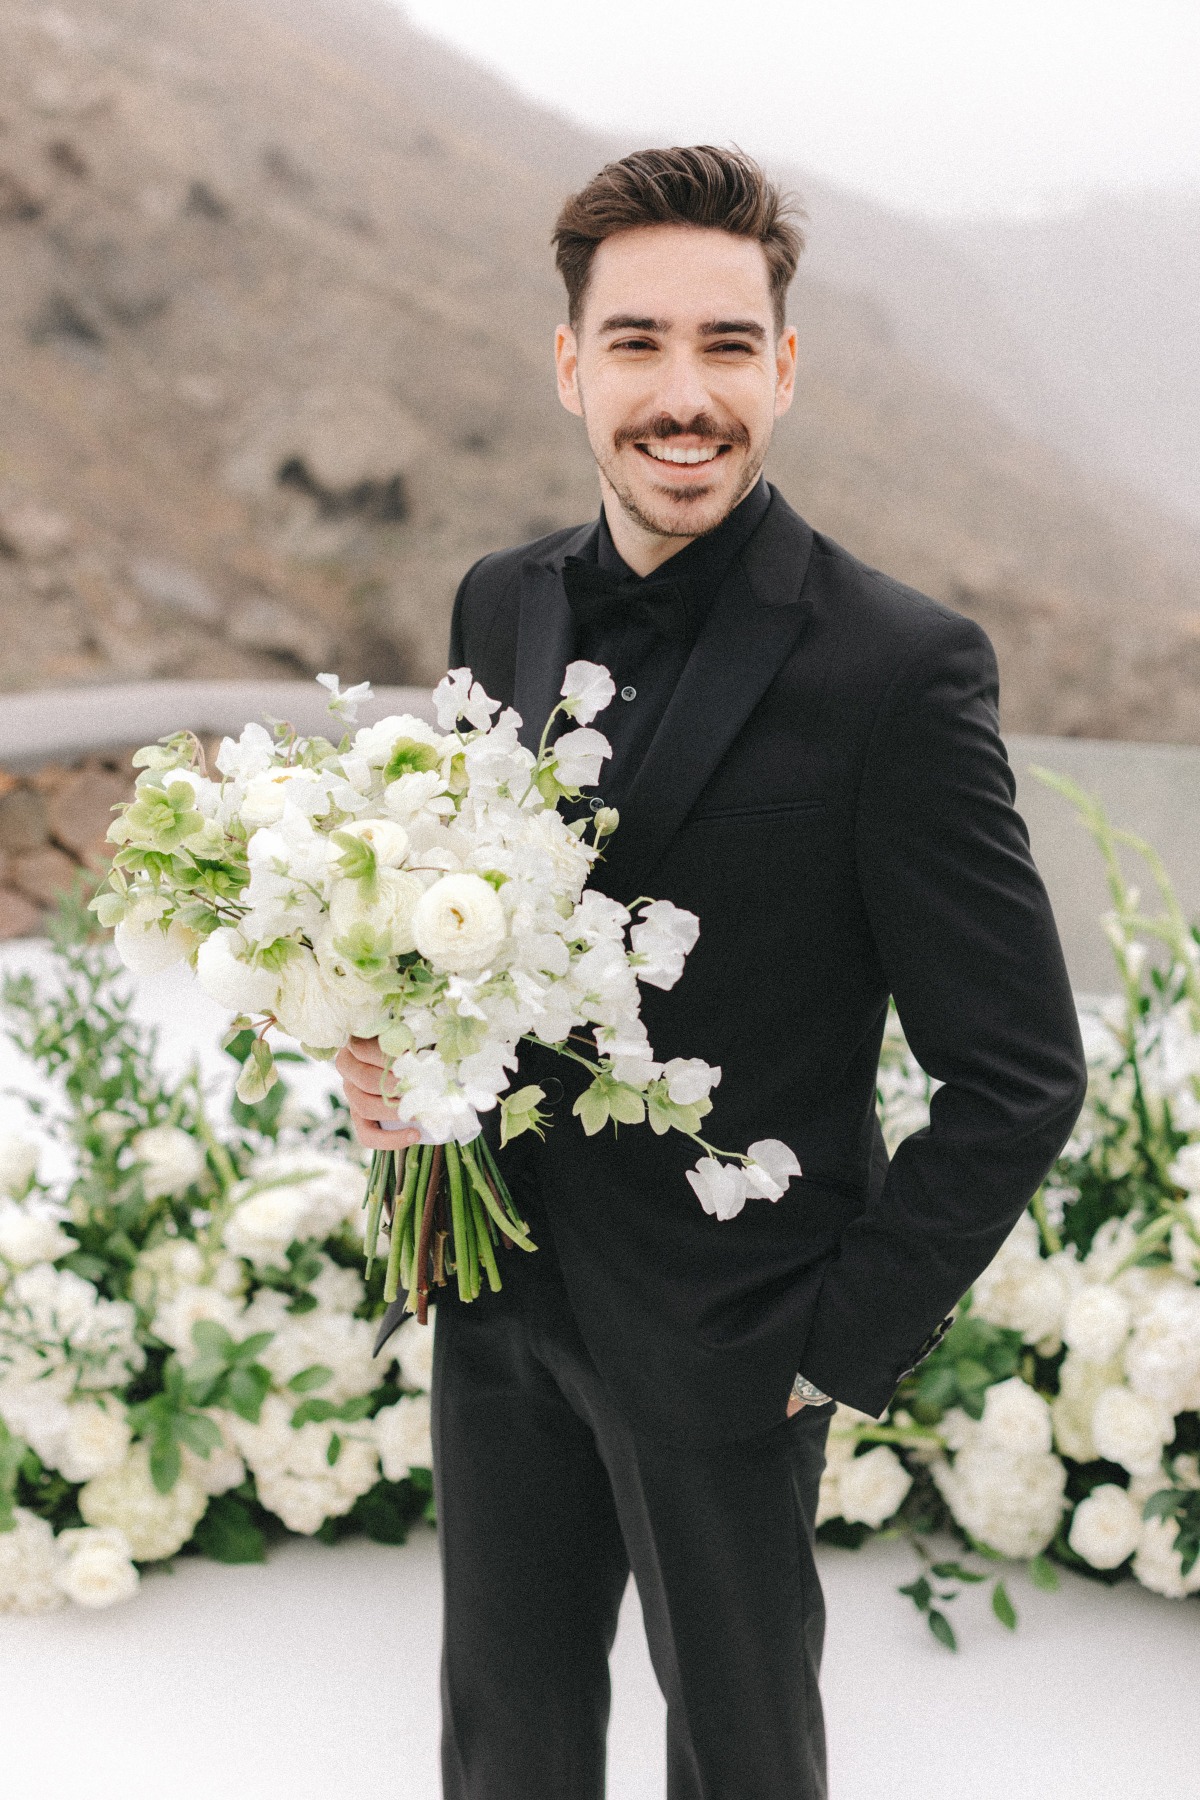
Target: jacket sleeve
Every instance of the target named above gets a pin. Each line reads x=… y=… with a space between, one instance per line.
x=458 y=622
x=964 y=932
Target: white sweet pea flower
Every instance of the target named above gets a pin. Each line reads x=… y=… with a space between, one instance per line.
x=578 y=756
x=252 y=753
x=661 y=939
x=458 y=924
x=689 y=1080
x=719 y=1187
x=587 y=689
x=771 y=1167
x=18 y=1162
x=145 y=945
x=458 y=696
x=97 y=1567
x=172 y=1157
x=345 y=702
x=226 y=975
x=1106 y=1528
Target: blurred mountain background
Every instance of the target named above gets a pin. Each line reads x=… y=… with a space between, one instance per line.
x=276 y=306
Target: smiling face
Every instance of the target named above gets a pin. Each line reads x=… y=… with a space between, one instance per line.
x=678 y=372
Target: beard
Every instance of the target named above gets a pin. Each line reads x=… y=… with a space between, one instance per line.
x=687 y=512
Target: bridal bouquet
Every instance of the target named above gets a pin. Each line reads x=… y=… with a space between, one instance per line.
x=421 y=886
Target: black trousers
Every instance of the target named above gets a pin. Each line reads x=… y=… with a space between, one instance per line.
x=546 y=1499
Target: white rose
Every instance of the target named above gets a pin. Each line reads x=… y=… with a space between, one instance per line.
x=96 y=1569
x=1011 y=1503
x=458 y=924
x=385 y=906
x=156 y=1525
x=412 y=1348
x=31 y=1233
x=174 y=1160
x=1131 y=1429
x=838 y=1454
x=689 y=1079
x=1162 y=1358
x=1158 y=1565
x=95 y=1438
x=291 y=1196
x=143 y=945
x=230 y=980
x=336 y=1341
x=872 y=1486
x=18 y=1162
x=1096 y=1323
x=402 y=1433
x=587 y=689
x=1023 y=1291
x=388 y=840
x=28 y=1566
x=1107 y=1527
x=1080 y=1385
x=1015 y=1419
x=578 y=756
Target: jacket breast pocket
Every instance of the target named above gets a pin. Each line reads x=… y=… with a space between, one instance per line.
x=766 y=811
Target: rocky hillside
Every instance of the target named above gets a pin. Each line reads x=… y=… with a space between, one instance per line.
x=275 y=312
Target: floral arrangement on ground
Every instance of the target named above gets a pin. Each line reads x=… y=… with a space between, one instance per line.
x=186 y=1335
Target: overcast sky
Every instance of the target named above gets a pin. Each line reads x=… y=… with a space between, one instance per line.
x=942 y=106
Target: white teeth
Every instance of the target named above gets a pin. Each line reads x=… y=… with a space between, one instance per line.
x=661 y=453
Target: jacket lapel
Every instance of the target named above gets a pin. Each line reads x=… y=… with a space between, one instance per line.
x=756 y=619
x=545 y=636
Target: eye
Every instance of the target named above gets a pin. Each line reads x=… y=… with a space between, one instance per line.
x=738 y=346
x=633 y=344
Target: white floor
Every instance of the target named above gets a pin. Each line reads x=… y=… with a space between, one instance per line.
x=314 y=1678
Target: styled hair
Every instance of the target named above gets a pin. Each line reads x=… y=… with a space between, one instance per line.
x=700 y=184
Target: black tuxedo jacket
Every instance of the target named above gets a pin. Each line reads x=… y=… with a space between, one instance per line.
x=829 y=793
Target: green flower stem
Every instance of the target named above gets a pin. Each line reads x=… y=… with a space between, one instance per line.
x=512 y=1228
x=484 y=1239
x=391 y=1283
x=913 y=1436
x=1149 y=1239
x=1050 y=1236
x=376 y=1183
x=424 y=1164
x=458 y=1219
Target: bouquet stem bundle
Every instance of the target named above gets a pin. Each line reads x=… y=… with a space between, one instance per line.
x=448 y=1206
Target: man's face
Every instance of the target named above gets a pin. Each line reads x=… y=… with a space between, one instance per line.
x=677 y=372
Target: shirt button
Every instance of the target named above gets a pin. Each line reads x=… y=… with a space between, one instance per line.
x=629 y=693
x=595 y=803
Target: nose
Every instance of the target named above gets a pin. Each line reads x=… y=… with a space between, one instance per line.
x=682 y=390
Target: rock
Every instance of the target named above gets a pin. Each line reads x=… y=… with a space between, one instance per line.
x=18 y=916
x=24 y=821
x=44 y=874
x=178 y=589
x=30 y=531
x=18 y=204
x=328 y=442
x=81 y=808
x=264 y=624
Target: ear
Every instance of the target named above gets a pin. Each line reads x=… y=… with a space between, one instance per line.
x=785 y=371
x=566 y=363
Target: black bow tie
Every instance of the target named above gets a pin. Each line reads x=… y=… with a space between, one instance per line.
x=599 y=597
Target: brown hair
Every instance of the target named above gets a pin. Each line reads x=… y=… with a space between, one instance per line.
x=723 y=190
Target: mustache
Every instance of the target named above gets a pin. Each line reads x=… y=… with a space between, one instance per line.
x=664 y=425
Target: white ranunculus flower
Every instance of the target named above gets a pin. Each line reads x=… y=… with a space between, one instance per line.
x=689 y=1079
x=1131 y=1429
x=228 y=978
x=174 y=1160
x=412 y=1348
x=95 y=1438
x=311 y=1005
x=719 y=1187
x=1158 y=1565
x=772 y=1166
x=375 y=743
x=1096 y=1323
x=31 y=1232
x=872 y=1486
x=402 y=1433
x=578 y=756
x=459 y=924
x=587 y=689
x=142 y=944
x=96 y=1568
x=1015 y=1419
x=156 y=1525
x=61 y=1320
x=1107 y=1527
x=28 y=1566
x=385 y=906
x=18 y=1162
x=388 y=840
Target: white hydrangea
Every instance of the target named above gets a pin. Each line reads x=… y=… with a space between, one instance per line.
x=80 y=1438
x=125 y=1498
x=292 y=1471
x=28 y=1566
x=53 y=1318
x=333 y=1340
x=412 y=1348
x=96 y=1567
x=402 y=1435
x=1106 y=1528
x=292 y=1195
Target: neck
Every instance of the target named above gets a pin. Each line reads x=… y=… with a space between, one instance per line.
x=643 y=549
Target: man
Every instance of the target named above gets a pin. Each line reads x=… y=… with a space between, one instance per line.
x=806 y=755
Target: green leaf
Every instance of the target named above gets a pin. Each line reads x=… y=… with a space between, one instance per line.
x=1003 y=1607
x=955 y=1571
x=258 y=1075
x=227 y=1532
x=626 y=1105
x=919 y=1592
x=213 y=1341
x=1044 y=1575
x=591 y=1108
x=248 y=1349
x=199 y=1433
x=313 y=1411
x=1162 y=1505
x=942 y=1629
x=165 y=1462
x=334 y=1450
x=315 y=1376
x=246 y=1389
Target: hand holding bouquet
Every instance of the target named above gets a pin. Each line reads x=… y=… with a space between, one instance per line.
x=421 y=886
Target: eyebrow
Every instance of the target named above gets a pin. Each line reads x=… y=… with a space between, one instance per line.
x=711 y=327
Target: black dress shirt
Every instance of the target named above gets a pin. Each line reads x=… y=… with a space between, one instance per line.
x=645 y=665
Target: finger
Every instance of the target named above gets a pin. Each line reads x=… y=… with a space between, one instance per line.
x=371 y=1106
x=367 y=1050
x=794 y=1406
x=360 y=1078
x=375 y=1137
